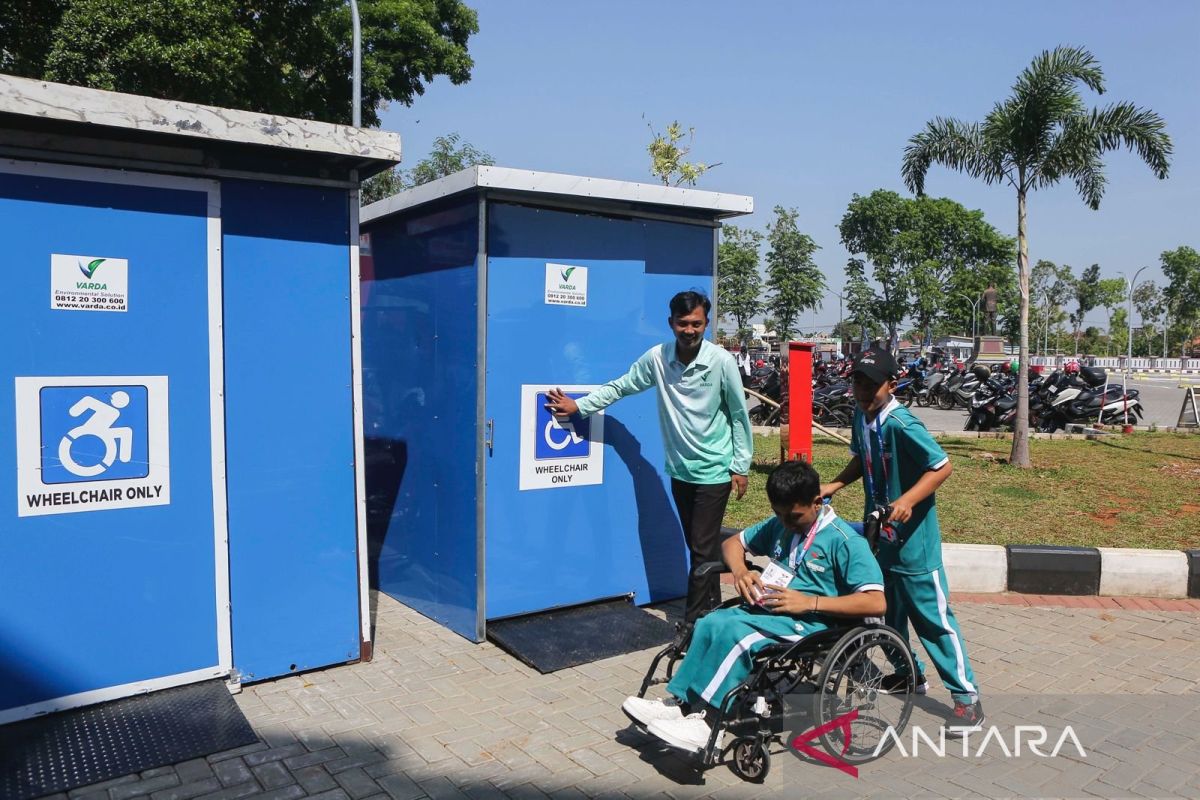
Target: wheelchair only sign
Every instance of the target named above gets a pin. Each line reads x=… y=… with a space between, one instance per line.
x=91 y=444
x=557 y=453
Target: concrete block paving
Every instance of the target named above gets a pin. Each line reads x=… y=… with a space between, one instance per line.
x=435 y=716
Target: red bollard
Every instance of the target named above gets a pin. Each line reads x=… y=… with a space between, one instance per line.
x=800 y=440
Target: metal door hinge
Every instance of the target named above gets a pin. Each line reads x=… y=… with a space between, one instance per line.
x=489 y=435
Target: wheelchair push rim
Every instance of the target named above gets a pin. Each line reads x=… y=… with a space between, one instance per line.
x=850 y=681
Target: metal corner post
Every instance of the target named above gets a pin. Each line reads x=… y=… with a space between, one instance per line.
x=481 y=424
x=716 y=314
x=360 y=461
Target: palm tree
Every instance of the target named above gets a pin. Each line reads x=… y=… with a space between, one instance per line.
x=1039 y=135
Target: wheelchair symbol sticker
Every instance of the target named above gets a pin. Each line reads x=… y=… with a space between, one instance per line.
x=561 y=437
x=91 y=443
x=94 y=432
x=559 y=453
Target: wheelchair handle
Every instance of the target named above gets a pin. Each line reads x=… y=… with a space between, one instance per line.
x=880 y=514
x=873 y=523
x=719 y=567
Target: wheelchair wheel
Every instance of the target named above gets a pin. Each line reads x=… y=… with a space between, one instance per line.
x=751 y=760
x=850 y=681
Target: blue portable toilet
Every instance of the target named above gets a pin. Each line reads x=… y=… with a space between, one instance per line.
x=483 y=290
x=180 y=432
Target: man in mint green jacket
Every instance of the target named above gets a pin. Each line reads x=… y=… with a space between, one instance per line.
x=705 y=427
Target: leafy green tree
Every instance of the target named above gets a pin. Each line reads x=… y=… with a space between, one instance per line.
x=382 y=185
x=450 y=154
x=794 y=280
x=26 y=34
x=739 y=284
x=870 y=226
x=1118 y=331
x=1050 y=288
x=1181 y=267
x=861 y=300
x=951 y=249
x=667 y=156
x=1151 y=305
x=1039 y=135
x=1092 y=341
x=853 y=331
x=1112 y=298
x=926 y=252
x=1087 y=295
x=274 y=56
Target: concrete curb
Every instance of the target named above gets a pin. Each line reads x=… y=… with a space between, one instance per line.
x=1122 y=571
x=973 y=568
x=1079 y=571
x=1147 y=573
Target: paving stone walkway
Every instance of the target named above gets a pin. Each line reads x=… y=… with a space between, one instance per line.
x=436 y=716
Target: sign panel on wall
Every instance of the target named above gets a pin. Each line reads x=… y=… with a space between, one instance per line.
x=559 y=452
x=91 y=443
x=566 y=285
x=88 y=283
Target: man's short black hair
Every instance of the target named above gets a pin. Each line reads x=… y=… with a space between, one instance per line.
x=793 y=482
x=687 y=302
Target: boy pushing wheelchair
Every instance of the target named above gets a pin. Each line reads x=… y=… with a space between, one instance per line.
x=821 y=570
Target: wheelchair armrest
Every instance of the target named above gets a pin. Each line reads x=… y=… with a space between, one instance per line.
x=718 y=567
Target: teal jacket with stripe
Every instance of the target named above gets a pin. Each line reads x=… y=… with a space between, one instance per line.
x=701 y=410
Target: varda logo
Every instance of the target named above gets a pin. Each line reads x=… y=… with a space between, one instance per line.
x=567 y=284
x=90 y=269
x=89 y=272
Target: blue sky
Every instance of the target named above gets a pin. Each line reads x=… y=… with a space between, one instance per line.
x=806 y=104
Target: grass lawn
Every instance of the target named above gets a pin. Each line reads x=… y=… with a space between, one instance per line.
x=1141 y=490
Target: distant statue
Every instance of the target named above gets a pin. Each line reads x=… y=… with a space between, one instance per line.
x=989 y=309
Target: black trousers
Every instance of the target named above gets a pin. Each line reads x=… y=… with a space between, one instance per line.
x=701 y=509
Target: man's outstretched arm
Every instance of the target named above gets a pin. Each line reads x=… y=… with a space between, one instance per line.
x=639 y=378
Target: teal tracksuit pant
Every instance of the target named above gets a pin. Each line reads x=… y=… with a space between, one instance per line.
x=721 y=652
x=923 y=601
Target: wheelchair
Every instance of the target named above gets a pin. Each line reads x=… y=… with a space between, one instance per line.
x=828 y=674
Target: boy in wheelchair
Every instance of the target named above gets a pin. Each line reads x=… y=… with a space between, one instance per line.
x=820 y=568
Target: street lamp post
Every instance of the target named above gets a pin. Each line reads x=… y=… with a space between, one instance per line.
x=1129 y=351
x=840 y=300
x=974 y=307
x=356 y=112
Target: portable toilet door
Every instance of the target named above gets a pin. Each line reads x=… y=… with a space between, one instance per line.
x=113 y=564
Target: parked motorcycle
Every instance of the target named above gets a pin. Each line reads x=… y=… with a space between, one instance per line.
x=994 y=404
x=926 y=395
x=1084 y=399
x=767 y=382
x=959 y=390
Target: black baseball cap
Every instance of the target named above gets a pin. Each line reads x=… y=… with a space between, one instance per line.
x=877 y=364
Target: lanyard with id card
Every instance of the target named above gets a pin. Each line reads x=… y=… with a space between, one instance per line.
x=777 y=574
x=877 y=492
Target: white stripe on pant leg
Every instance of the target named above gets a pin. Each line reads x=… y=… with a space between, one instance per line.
x=727 y=664
x=731 y=658
x=959 y=662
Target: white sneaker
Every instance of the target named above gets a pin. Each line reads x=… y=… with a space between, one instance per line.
x=689 y=733
x=643 y=711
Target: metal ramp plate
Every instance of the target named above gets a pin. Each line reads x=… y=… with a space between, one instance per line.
x=566 y=637
x=64 y=751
